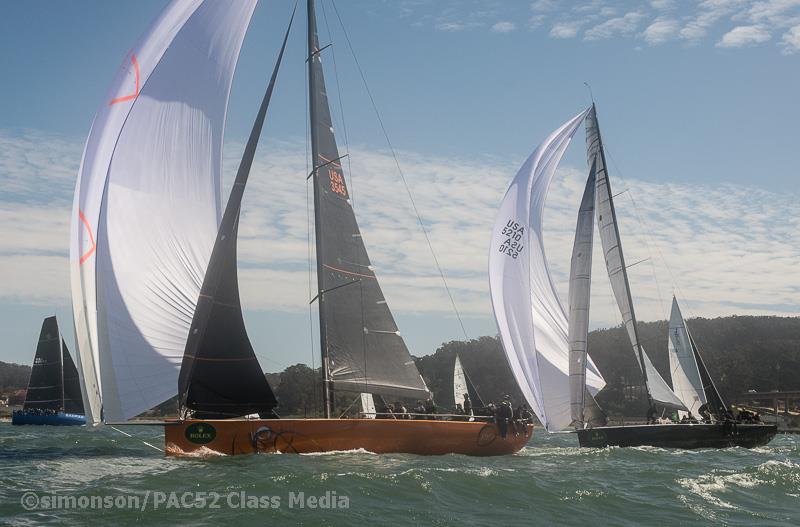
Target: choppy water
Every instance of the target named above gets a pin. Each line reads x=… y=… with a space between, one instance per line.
x=550 y=482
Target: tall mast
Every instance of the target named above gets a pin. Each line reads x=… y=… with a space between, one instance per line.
x=313 y=86
x=61 y=359
x=623 y=269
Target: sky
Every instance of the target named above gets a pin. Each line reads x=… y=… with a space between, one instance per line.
x=697 y=102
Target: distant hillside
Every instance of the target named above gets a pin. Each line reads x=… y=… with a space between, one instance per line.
x=13 y=376
x=741 y=353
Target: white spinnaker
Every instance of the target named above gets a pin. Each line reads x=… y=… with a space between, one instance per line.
x=531 y=319
x=459 y=382
x=615 y=261
x=368 y=405
x=147 y=204
x=686 y=382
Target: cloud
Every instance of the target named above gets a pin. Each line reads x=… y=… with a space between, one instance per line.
x=744 y=36
x=565 y=29
x=661 y=31
x=544 y=5
x=791 y=41
x=662 y=5
x=623 y=26
x=503 y=27
x=731 y=247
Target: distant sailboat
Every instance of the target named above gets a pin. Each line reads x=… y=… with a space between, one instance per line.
x=189 y=333
x=54 y=392
x=546 y=348
x=462 y=386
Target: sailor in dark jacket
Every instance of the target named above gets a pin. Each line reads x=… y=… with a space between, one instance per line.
x=503 y=416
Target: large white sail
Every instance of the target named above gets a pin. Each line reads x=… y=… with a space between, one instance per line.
x=147 y=205
x=686 y=381
x=607 y=225
x=580 y=281
x=532 y=322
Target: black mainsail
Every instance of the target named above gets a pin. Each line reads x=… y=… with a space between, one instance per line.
x=54 y=383
x=220 y=375
x=46 y=386
x=715 y=402
x=362 y=349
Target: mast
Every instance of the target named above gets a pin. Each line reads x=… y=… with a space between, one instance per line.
x=61 y=361
x=623 y=269
x=313 y=56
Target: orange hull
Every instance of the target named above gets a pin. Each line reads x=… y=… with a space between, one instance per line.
x=302 y=436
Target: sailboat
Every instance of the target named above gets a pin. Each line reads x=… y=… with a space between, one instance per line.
x=547 y=345
x=54 y=392
x=156 y=300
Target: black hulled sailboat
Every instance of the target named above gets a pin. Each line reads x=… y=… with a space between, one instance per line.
x=54 y=391
x=692 y=388
x=362 y=348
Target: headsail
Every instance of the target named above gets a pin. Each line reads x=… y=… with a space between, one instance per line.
x=459 y=382
x=220 y=375
x=361 y=344
x=73 y=400
x=45 y=386
x=580 y=282
x=657 y=389
x=686 y=382
x=147 y=205
x=532 y=322
x=367 y=406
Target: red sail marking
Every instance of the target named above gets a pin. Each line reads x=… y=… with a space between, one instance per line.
x=85 y=256
x=136 y=90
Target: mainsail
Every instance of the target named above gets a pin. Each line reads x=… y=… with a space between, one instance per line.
x=45 y=386
x=147 y=205
x=531 y=319
x=686 y=382
x=220 y=375
x=361 y=345
x=54 y=382
x=657 y=389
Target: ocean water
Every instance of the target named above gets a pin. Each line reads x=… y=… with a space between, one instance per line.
x=551 y=481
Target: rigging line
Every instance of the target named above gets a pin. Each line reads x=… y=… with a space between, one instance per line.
x=143 y=441
x=341 y=105
x=648 y=240
x=308 y=237
x=400 y=171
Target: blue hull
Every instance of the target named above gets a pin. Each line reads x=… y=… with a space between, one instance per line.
x=59 y=419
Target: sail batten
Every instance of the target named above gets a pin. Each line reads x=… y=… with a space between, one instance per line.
x=361 y=345
x=608 y=227
x=529 y=314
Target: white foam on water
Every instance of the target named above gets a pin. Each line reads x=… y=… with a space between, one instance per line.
x=340 y=452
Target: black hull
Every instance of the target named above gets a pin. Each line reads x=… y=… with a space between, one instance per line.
x=679 y=435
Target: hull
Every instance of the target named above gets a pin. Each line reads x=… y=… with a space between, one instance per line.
x=679 y=435
x=59 y=419
x=303 y=436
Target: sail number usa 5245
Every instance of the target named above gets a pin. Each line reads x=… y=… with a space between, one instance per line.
x=512 y=235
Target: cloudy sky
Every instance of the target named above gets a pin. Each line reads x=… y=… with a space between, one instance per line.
x=697 y=102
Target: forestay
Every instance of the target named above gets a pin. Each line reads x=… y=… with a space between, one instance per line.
x=531 y=319
x=147 y=205
x=686 y=382
x=615 y=263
